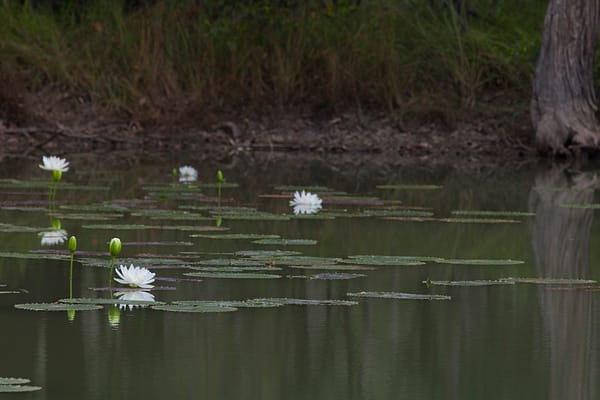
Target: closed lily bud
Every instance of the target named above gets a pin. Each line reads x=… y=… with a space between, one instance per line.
x=72 y=244
x=115 y=247
x=219 y=176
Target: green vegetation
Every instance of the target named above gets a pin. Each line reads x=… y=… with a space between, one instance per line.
x=186 y=55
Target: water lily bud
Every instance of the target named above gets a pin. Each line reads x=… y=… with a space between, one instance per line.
x=174 y=172
x=115 y=247
x=56 y=175
x=219 y=222
x=114 y=315
x=71 y=315
x=219 y=176
x=72 y=244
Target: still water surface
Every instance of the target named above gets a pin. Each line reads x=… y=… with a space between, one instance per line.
x=499 y=342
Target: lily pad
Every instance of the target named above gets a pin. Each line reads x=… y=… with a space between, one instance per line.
x=57 y=307
x=298 y=260
x=471 y=283
x=117 y=227
x=13 y=381
x=169 y=244
x=466 y=261
x=294 y=188
x=103 y=300
x=408 y=187
x=335 y=276
x=206 y=308
x=487 y=213
x=334 y=267
x=235 y=269
x=397 y=213
x=235 y=236
x=399 y=296
x=266 y=253
x=353 y=201
x=230 y=262
x=286 y=242
x=232 y=275
x=309 y=302
x=18 y=388
x=34 y=256
x=386 y=260
x=250 y=303
x=9 y=228
x=592 y=206
x=553 y=281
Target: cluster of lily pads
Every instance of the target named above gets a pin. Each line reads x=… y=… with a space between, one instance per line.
x=16 y=385
x=135 y=272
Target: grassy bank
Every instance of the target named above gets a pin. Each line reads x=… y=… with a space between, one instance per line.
x=163 y=56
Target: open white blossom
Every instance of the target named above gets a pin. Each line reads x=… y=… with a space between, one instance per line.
x=187 y=174
x=305 y=203
x=53 y=163
x=135 y=276
x=53 y=237
x=134 y=295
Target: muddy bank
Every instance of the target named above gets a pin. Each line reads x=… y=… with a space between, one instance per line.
x=51 y=121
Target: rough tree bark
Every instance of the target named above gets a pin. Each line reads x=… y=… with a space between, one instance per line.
x=564 y=103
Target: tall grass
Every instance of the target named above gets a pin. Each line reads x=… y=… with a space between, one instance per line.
x=213 y=54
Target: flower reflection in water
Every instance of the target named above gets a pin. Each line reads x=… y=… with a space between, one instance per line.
x=135 y=295
x=53 y=237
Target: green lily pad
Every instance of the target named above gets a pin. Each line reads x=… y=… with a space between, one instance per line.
x=408 y=187
x=34 y=256
x=18 y=388
x=253 y=216
x=298 y=260
x=592 y=206
x=46 y=184
x=329 y=276
x=235 y=269
x=472 y=283
x=399 y=296
x=266 y=254
x=385 y=260
x=118 y=227
x=309 y=302
x=235 y=236
x=466 y=261
x=334 y=267
x=104 y=300
x=286 y=242
x=294 y=188
x=9 y=228
x=553 y=281
x=397 y=213
x=250 y=303
x=232 y=275
x=13 y=381
x=57 y=307
x=230 y=262
x=10 y=292
x=353 y=201
x=487 y=213
x=207 y=308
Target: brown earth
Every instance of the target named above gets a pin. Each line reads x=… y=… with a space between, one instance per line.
x=55 y=121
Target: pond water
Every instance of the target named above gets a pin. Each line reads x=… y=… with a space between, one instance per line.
x=504 y=339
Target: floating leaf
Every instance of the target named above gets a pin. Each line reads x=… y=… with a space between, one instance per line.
x=455 y=220
x=553 y=281
x=400 y=296
x=494 y=213
x=286 y=242
x=13 y=381
x=298 y=260
x=582 y=206
x=89 y=216
x=18 y=388
x=471 y=283
x=353 y=201
x=235 y=236
x=232 y=275
x=18 y=228
x=130 y=289
x=33 y=256
x=466 y=261
x=385 y=260
x=266 y=254
x=235 y=269
x=169 y=244
x=103 y=300
x=57 y=307
x=231 y=262
x=334 y=267
x=397 y=213
x=309 y=302
x=408 y=187
x=294 y=188
x=335 y=276
x=118 y=227
x=10 y=292
x=207 y=308
x=250 y=303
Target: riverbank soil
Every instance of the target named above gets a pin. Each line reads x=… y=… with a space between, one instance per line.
x=56 y=121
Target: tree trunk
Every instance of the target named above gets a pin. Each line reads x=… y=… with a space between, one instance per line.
x=564 y=103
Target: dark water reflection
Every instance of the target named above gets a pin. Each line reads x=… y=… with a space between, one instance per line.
x=500 y=342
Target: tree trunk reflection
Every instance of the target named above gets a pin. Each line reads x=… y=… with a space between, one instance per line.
x=561 y=245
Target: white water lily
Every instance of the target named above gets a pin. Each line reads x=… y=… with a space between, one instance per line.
x=135 y=276
x=188 y=174
x=53 y=163
x=134 y=295
x=53 y=237
x=305 y=203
